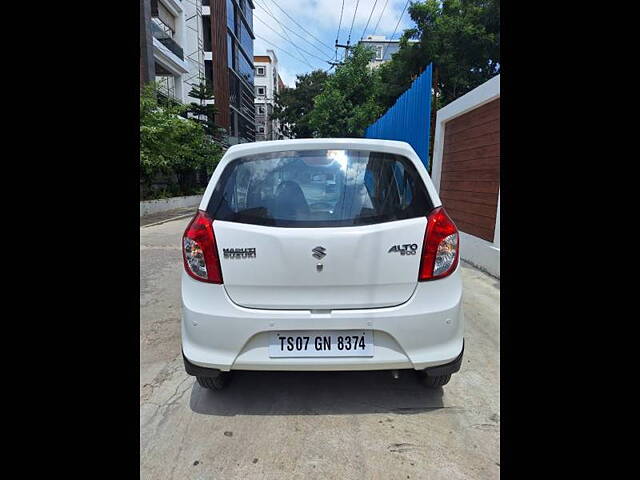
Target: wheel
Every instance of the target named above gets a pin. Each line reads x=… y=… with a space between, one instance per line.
x=214 y=383
x=435 y=381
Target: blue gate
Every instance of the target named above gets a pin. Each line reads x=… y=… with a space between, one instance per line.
x=409 y=118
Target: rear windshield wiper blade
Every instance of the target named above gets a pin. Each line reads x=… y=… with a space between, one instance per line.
x=255 y=212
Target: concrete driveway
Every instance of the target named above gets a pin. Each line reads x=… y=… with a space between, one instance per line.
x=298 y=425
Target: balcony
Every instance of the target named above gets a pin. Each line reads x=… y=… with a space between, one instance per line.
x=167 y=41
x=167 y=99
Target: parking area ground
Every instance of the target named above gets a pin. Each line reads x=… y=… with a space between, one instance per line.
x=167 y=215
x=307 y=425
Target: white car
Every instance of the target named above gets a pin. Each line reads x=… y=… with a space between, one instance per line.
x=281 y=273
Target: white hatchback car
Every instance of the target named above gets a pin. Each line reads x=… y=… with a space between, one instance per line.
x=321 y=254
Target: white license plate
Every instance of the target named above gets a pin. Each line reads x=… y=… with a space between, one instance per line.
x=322 y=343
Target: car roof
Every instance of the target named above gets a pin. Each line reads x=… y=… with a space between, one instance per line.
x=391 y=146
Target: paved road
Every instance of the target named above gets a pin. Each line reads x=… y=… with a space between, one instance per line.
x=346 y=425
x=167 y=215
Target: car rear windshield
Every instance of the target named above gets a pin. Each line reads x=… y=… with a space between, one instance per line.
x=319 y=188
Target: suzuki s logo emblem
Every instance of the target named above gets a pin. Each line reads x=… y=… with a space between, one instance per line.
x=319 y=252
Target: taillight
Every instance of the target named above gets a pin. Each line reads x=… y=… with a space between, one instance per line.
x=440 y=248
x=199 y=250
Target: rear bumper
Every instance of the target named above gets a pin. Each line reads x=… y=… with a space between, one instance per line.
x=423 y=333
x=446 y=369
x=197 y=370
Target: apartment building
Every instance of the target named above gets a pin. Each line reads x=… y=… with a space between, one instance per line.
x=171 y=46
x=267 y=84
x=383 y=48
x=228 y=63
x=186 y=42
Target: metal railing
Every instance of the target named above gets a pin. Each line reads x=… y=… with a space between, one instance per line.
x=167 y=41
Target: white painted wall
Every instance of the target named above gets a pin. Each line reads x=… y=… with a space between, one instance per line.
x=483 y=254
x=193 y=46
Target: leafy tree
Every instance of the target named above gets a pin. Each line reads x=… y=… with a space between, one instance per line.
x=460 y=37
x=170 y=143
x=292 y=105
x=347 y=104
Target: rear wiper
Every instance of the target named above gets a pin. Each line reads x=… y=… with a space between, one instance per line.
x=255 y=212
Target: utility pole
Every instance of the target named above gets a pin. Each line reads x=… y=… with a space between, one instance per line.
x=346 y=47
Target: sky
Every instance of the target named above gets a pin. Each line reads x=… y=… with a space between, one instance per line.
x=320 y=18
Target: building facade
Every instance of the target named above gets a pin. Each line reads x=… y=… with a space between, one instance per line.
x=228 y=63
x=382 y=47
x=267 y=84
x=171 y=52
x=187 y=42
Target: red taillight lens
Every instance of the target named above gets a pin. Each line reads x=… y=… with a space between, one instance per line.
x=199 y=250
x=440 y=248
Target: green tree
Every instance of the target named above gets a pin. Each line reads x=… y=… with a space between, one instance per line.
x=203 y=92
x=462 y=40
x=170 y=143
x=292 y=105
x=347 y=104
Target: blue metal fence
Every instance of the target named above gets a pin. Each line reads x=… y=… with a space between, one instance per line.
x=409 y=118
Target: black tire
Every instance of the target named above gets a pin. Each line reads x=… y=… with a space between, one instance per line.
x=214 y=383
x=435 y=381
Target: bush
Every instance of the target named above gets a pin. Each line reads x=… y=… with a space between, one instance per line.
x=170 y=192
x=172 y=145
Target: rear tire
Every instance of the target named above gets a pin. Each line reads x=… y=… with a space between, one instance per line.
x=435 y=381
x=214 y=383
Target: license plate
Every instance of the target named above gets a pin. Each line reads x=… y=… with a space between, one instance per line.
x=322 y=343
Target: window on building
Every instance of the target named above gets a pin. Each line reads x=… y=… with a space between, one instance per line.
x=208 y=72
x=246 y=129
x=231 y=22
x=246 y=41
x=166 y=18
x=166 y=85
x=206 y=32
x=231 y=55
x=247 y=104
x=260 y=91
x=260 y=71
x=260 y=109
x=261 y=129
x=234 y=90
x=248 y=14
x=379 y=51
x=245 y=67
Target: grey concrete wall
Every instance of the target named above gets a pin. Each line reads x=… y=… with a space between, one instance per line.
x=163 y=204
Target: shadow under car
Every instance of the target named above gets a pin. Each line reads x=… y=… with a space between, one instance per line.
x=317 y=393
